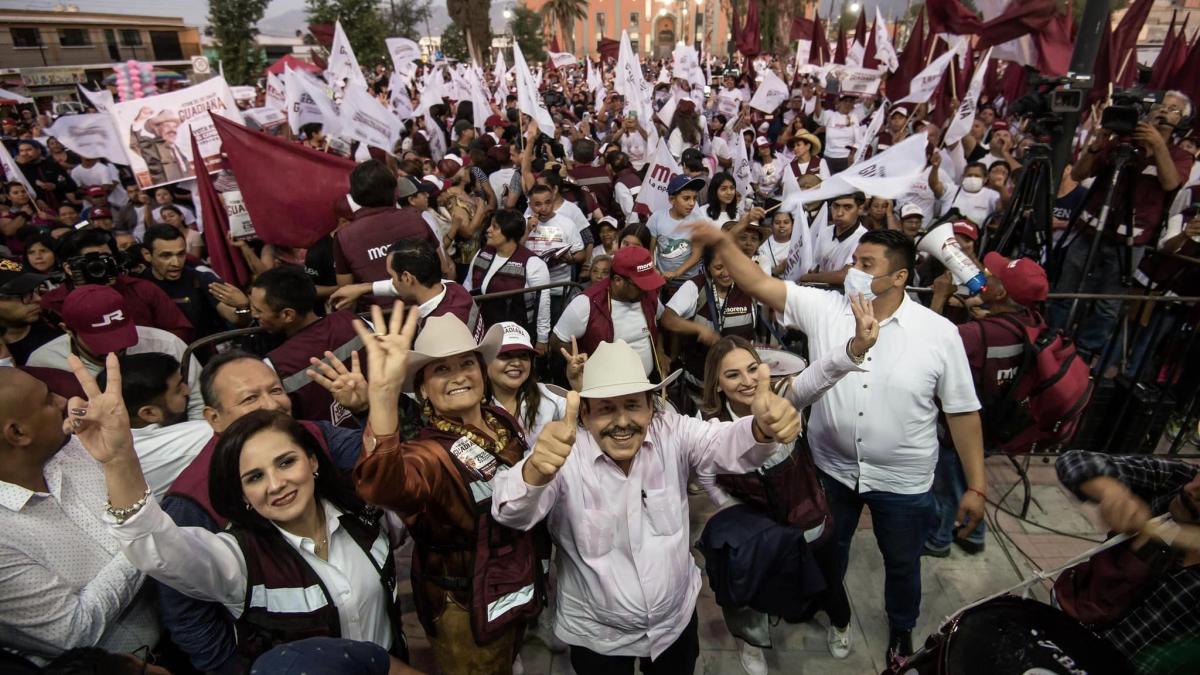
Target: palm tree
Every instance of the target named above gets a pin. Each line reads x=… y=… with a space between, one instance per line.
x=564 y=13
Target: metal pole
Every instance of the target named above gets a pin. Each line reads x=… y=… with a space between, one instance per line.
x=1083 y=63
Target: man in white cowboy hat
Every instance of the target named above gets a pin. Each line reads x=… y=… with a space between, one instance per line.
x=610 y=479
x=155 y=143
x=464 y=563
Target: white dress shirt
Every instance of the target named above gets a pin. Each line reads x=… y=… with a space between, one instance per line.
x=211 y=567
x=63 y=580
x=877 y=430
x=164 y=452
x=627 y=582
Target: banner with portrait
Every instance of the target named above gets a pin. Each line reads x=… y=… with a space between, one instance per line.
x=157 y=131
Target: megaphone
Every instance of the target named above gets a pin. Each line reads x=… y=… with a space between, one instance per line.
x=941 y=244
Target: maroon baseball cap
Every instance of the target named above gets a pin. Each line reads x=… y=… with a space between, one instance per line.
x=999 y=125
x=98 y=318
x=967 y=229
x=636 y=264
x=96 y=191
x=496 y=121
x=1023 y=279
x=101 y=212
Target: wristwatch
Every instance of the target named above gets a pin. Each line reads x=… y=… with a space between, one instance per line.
x=242 y=311
x=858 y=360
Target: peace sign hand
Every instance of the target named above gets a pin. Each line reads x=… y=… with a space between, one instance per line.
x=774 y=417
x=388 y=347
x=100 y=421
x=575 y=362
x=347 y=386
x=866 y=326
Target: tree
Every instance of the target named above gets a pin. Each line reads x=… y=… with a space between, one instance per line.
x=233 y=24
x=361 y=21
x=454 y=43
x=472 y=17
x=526 y=27
x=406 y=18
x=564 y=13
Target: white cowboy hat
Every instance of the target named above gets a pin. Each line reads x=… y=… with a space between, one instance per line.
x=444 y=336
x=615 y=369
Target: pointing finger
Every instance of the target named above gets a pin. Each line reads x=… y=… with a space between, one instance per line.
x=764 y=381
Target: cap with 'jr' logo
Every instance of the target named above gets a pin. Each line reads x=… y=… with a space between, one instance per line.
x=97 y=317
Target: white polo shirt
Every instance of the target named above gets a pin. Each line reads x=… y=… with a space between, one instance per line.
x=877 y=430
x=629 y=324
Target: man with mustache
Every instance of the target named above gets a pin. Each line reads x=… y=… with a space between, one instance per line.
x=610 y=479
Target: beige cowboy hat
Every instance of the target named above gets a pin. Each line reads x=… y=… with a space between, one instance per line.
x=615 y=369
x=444 y=336
x=813 y=142
x=164 y=115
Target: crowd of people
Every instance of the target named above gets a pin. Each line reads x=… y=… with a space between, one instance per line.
x=503 y=360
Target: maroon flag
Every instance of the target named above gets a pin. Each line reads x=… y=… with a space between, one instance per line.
x=1020 y=18
x=1103 y=70
x=1191 y=64
x=226 y=262
x=950 y=16
x=820 y=53
x=802 y=29
x=609 y=48
x=991 y=80
x=1013 y=86
x=839 y=56
x=1124 y=42
x=911 y=61
x=749 y=41
x=860 y=30
x=288 y=189
x=869 y=60
x=323 y=32
x=290 y=61
x=1054 y=45
x=1166 y=54
x=554 y=44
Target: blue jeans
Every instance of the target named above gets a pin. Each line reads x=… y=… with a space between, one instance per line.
x=901 y=524
x=949 y=484
x=1099 y=320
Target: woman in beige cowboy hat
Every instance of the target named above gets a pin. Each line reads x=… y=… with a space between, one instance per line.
x=610 y=479
x=476 y=583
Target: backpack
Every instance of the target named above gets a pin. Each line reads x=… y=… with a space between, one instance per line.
x=1041 y=408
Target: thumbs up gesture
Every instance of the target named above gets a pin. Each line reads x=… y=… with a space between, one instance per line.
x=774 y=417
x=553 y=446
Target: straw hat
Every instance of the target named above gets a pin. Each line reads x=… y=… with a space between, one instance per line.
x=615 y=369
x=813 y=142
x=444 y=336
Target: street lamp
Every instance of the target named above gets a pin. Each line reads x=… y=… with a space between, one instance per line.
x=854 y=7
x=507 y=14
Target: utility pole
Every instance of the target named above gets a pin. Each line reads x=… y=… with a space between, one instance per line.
x=1083 y=63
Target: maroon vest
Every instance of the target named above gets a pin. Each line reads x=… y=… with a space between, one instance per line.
x=192 y=482
x=629 y=178
x=311 y=401
x=510 y=276
x=277 y=608
x=735 y=318
x=597 y=180
x=458 y=301
x=600 y=325
x=813 y=166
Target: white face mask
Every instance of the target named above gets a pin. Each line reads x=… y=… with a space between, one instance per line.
x=972 y=184
x=858 y=283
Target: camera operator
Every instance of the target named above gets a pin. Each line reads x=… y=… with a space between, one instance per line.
x=90 y=256
x=1157 y=171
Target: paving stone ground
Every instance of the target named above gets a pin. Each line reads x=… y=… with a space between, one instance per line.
x=948 y=584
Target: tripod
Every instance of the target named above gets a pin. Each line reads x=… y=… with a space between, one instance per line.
x=1026 y=228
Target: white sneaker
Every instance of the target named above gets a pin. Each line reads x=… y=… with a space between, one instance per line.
x=839 y=642
x=753 y=660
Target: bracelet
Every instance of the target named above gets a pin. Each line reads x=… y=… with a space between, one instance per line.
x=121 y=515
x=971 y=489
x=858 y=360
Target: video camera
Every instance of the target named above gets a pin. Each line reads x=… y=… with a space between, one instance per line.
x=1128 y=108
x=93 y=268
x=1044 y=105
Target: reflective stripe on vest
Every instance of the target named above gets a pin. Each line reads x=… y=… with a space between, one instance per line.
x=300 y=378
x=288 y=600
x=1005 y=351
x=379 y=549
x=508 y=601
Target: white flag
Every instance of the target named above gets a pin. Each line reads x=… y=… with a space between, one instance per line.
x=800 y=248
x=398 y=97
x=658 y=174
x=101 y=100
x=431 y=95
x=889 y=174
x=343 y=66
x=308 y=102
x=91 y=135
x=965 y=115
x=561 y=59
x=366 y=120
x=275 y=97
x=630 y=83
x=499 y=69
x=403 y=52
x=528 y=100
x=13 y=172
x=741 y=168
x=481 y=108
x=803 y=50
x=863 y=81
x=685 y=64
x=770 y=93
x=856 y=54
x=885 y=51
x=593 y=76
x=1021 y=51
x=926 y=81
x=864 y=135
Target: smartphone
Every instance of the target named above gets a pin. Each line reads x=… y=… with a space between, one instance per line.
x=632 y=114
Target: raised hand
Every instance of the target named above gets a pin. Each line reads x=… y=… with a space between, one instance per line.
x=388 y=347
x=100 y=420
x=704 y=232
x=228 y=294
x=347 y=296
x=347 y=386
x=866 y=326
x=575 y=361
x=553 y=445
x=774 y=416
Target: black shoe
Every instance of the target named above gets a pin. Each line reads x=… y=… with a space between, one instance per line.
x=927 y=552
x=969 y=547
x=899 y=645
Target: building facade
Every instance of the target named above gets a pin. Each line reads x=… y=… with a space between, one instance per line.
x=654 y=26
x=48 y=52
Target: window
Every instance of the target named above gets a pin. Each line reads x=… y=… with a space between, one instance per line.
x=633 y=42
x=599 y=25
x=74 y=37
x=633 y=18
x=131 y=37
x=25 y=37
